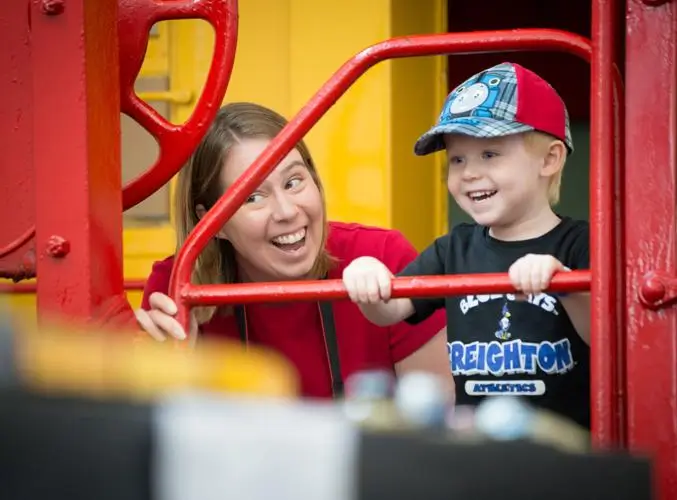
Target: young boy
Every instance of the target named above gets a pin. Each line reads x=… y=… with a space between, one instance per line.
x=506 y=134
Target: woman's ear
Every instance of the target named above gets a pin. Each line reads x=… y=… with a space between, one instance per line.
x=554 y=158
x=200 y=211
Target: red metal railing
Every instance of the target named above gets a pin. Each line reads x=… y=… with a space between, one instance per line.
x=602 y=185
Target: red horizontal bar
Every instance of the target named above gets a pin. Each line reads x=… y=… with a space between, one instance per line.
x=414 y=286
x=29 y=288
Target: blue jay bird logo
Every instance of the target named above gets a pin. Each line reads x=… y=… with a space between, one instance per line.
x=504 y=324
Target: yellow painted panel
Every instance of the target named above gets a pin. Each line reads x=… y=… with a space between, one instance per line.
x=156 y=62
x=417 y=92
x=21 y=307
x=262 y=62
x=350 y=143
x=261 y=67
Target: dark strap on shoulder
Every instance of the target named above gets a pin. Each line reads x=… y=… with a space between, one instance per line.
x=327 y=315
x=329 y=333
x=241 y=323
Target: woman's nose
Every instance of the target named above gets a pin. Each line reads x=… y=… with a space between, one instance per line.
x=285 y=207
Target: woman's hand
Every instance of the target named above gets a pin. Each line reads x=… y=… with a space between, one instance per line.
x=160 y=321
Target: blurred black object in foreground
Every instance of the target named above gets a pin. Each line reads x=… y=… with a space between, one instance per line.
x=203 y=448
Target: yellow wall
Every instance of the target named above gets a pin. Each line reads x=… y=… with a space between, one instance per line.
x=364 y=145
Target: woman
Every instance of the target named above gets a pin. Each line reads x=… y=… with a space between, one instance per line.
x=281 y=233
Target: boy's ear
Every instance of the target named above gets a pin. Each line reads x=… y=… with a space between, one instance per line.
x=555 y=155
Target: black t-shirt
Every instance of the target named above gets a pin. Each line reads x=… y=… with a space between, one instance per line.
x=498 y=345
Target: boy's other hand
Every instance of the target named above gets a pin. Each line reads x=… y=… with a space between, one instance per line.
x=532 y=273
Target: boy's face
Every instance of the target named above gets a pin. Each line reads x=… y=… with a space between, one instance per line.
x=497 y=181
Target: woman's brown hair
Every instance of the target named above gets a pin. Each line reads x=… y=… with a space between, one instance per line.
x=199 y=183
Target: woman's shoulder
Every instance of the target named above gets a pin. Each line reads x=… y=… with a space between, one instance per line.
x=349 y=240
x=163 y=267
x=158 y=279
x=351 y=231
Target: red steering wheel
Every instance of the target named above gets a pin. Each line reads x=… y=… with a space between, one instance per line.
x=176 y=142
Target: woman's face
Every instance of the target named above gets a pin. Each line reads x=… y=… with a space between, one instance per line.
x=278 y=231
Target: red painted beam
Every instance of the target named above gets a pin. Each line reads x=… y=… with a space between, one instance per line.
x=650 y=228
x=76 y=116
x=31 y=288
x=17 y=258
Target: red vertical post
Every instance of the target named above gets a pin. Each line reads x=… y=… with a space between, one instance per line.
x=651 y=131
x=76 y=155
x=604 y=322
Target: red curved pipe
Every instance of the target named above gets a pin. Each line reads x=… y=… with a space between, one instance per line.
x=319 y=104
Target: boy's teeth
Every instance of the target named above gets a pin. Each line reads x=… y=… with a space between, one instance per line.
x=478 y=195
x=290 y=239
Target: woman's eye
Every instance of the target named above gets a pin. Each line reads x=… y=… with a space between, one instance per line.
x=293 y=183
x=254 y=198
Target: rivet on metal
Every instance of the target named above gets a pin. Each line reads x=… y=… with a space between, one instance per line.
x=58 y=247
x=53 y=7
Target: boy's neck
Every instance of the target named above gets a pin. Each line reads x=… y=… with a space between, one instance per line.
x=527 y=228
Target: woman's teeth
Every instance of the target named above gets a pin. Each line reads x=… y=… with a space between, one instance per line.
x=290 y=239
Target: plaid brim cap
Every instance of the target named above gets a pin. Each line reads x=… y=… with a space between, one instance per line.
x=500 y=101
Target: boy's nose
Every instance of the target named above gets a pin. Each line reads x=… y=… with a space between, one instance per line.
x=471 y=172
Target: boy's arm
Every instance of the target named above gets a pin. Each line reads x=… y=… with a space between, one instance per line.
x=577 y=306
x=430 y=262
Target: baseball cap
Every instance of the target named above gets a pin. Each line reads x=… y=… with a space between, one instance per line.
x=503 y=100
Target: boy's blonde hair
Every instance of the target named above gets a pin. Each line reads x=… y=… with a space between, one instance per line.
x=538 y=143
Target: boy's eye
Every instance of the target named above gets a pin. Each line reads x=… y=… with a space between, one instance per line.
x=487 y=155
x=455 y=160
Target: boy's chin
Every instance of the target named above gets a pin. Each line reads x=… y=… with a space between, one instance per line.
x=487 y=220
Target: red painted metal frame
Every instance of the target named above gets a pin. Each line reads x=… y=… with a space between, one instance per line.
x=605 y=421
x=650 y=225
x=604 y=300
x=76 y=156
x=176 y=142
